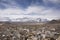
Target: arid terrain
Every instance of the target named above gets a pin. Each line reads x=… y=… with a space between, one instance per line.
x=30 y=31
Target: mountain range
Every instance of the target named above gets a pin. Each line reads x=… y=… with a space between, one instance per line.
x=25 y=19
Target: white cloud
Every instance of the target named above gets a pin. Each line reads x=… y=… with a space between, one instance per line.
x=9 y=3
x=52 y=1
x=35 y=9
x=14 y=11
x=48 y=13
x=11 y=11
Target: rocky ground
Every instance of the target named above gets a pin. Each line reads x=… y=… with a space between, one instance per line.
x=11 y=31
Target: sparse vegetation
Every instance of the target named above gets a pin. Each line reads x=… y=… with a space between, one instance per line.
x=14 y=31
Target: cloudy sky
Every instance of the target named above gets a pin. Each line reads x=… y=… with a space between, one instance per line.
x=47 y=9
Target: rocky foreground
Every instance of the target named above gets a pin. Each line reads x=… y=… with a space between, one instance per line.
x=10 y=31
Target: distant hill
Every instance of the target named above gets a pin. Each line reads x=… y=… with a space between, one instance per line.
x=54 y=21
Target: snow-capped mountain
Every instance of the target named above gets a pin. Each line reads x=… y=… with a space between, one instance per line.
x=25 y=19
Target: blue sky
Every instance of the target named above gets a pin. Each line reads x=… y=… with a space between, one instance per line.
x=47 y=9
